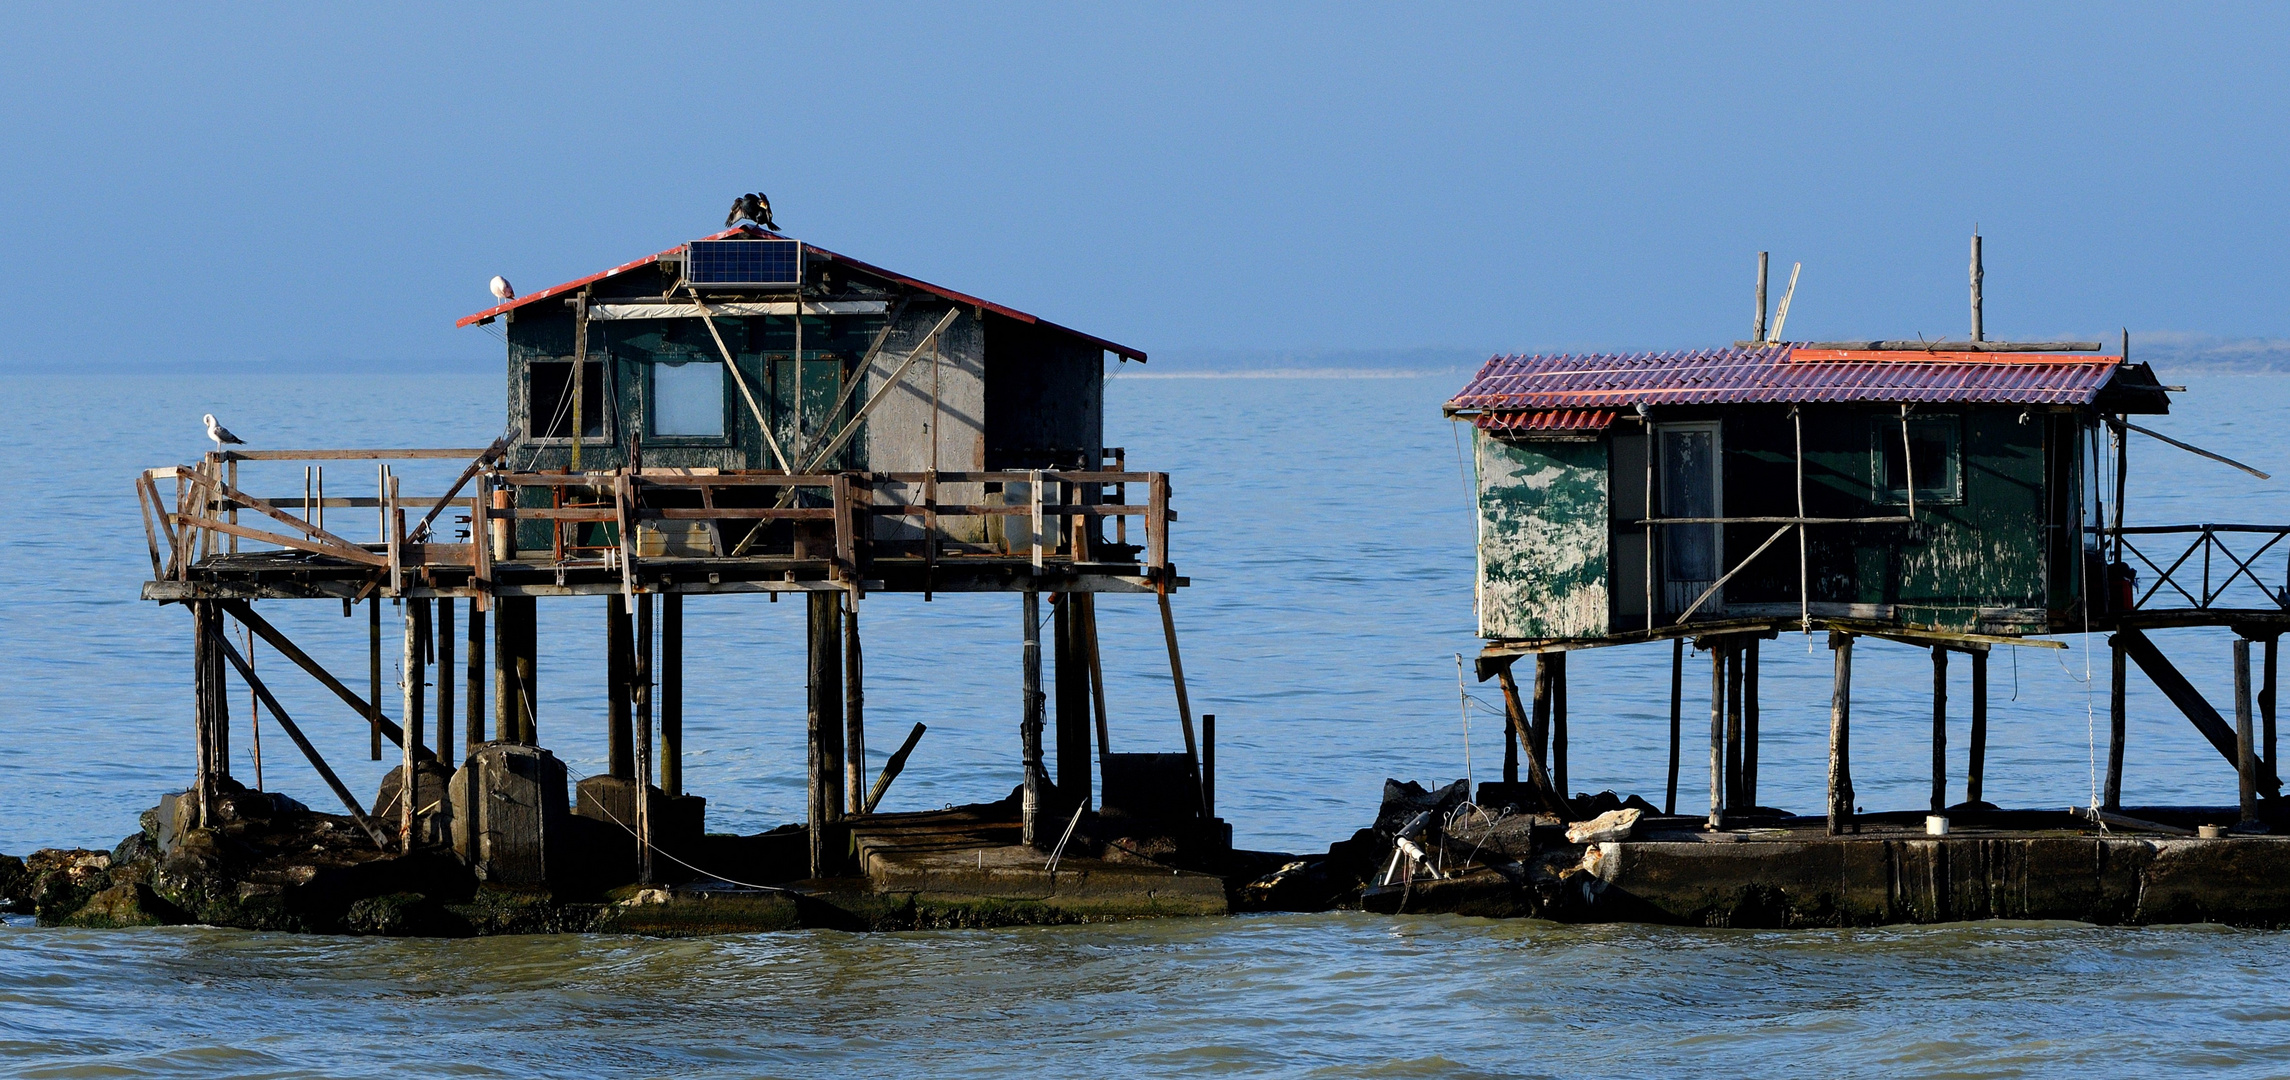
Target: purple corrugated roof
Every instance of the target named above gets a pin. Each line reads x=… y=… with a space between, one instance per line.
x=1781 y=373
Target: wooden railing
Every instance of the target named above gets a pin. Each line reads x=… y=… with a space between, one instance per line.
x=203 y=519
x=2204 y=575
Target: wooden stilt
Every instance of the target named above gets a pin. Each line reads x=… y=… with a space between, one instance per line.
x=1558 y=722
x=672 y=694
x=1030 y=722
x=1177 y=677
x=1749 y=736
x=1939 y=729
x=203 y=710
x=824 y=690
x=1733 y=783
x=1717 y=733
x=641 y=706
x=1516 y=713
x=2119 y=676
x=409 y=777
x=1088 y=615
x=619 y=660
x=854 y=709
x=441 y=637
x=1539 y=721
x=1677 y=702
x=1978 y=765
x=1841 y=736
x=2246 y=765
x=1510 y=755
x=1070 y=645
x=374 y=667
x=2266 y=685
x=473 y=706
x=286 y=647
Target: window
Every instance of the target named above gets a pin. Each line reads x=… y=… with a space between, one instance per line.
x=688 y=399
x=1932 y=448
x=549 y=399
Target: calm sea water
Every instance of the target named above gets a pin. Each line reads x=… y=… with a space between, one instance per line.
x=1326 y=524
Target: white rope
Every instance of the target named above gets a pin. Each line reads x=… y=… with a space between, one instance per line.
x=688 y=866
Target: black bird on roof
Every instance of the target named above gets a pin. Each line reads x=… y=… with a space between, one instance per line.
x=753 y=207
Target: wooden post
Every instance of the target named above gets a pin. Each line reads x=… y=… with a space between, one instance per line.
x=1759 y=326
x=203 y=695
x=1979 y=332
x=1717 y=733
x=855 y=709
x=1841 y=736
x=1749 y=725
x=619 y=660
x=1539 y=724
x=672 y=694
x=516 y=691
x=641 y=687
x=441 y=636
x=1939 y=729
x=2246 y=763
x=1073 y=702
x=473 y=707
x=293 y=731
x=1677 y=702
x=1558 y=722
x=409 y=786
x=2119 y=676
x=374 y=668
x=1177 y=677
x=1510 y=755
x=1515 y=714
x=2266 y=701
x=1979 y=758
x=1733 y=784
x=1030 y=721
x=1088 y=628
x=1209 y=763
x=824 y=690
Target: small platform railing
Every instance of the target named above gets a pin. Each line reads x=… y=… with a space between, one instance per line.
x=2207 y=574
x=838 y=510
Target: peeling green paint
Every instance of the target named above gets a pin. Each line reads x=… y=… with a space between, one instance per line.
x=1542 y=538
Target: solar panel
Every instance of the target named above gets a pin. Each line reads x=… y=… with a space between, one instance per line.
x=750 y=264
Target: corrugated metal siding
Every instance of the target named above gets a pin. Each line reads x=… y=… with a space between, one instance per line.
x=1557 y=421
x=1781 y=374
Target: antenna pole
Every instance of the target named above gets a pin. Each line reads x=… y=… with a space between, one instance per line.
x=1978 y=332
x=1760 y=334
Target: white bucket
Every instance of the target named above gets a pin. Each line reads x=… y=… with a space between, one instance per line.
x=1935 y=825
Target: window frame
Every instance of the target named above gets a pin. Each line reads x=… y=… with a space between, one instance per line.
x=728 y=421
x=1885 y=436
x=604 y=411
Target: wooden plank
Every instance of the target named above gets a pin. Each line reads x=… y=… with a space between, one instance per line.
x=492 y=452
x=145 y=509
x=245 y=614
x=1538 y=778
x=352 y=455
x=239 y=498
x=356 y=555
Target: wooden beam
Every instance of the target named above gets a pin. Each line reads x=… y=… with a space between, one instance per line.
x=1030 y=724
x=350 y=455
x=1841 y=811
x=2117 y=684
x=2190 y=703
x=2246 y=749
x=854 y=708
x=245 y=614
x=1177 y=678
x=294 y=732
x=824 y=725
x=1537 y=778
x=892 y=768
x=1978 y=764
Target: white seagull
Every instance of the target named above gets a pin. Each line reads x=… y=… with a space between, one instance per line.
x=221 y=434
x=501 y=289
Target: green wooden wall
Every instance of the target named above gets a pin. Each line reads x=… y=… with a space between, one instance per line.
x=1542 y=538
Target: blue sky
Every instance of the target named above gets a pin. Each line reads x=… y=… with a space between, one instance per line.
x=332 y=185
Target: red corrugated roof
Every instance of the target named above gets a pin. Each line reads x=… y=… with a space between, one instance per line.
x=1782 y=373
x=1547 y=420
x=960 y=298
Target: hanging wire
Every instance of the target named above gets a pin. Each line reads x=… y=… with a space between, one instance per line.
x=1463 y=703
